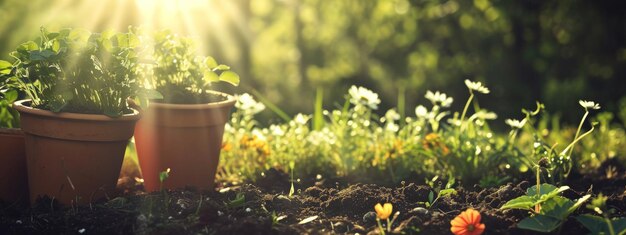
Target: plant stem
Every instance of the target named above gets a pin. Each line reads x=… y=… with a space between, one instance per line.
x=580 y=126
x=469 y=100
x=608 y=223
x=380 y=227
x=537 y=207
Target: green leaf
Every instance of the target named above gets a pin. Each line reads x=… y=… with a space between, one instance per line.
x=126 y=40
x=597 y=225
x=163 y=175
x=5 y=67
x=230 y=77
x=578 y=203
x=10 y=95
x=446 y=192
x=557 y=207
x=431 y=196
x=209 y=77
x=540 y=223
x=523 y=202
x=210 y=62
x=222 y=67
x=41 y=55
x=26 y=47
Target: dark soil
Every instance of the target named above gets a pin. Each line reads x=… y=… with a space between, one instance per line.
x=339 y=207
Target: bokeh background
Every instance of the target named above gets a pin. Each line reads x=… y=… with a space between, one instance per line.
x=554 y=51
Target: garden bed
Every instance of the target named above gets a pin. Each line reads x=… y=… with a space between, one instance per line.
x=341 y=205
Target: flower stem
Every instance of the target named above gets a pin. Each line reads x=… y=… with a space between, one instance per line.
x=380 y=227
x=469 y=100
x=580 y=126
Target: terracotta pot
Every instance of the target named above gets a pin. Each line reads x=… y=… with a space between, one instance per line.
x=13 y=181
x=71 y=157
x=186 y=138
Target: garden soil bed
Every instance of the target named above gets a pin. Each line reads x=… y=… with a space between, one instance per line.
x=340 y=207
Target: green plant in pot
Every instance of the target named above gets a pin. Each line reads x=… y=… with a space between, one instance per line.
x=13 y=181
x=183 y=131
x=76 y=121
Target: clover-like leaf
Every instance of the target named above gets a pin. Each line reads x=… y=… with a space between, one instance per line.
x=230 y=77
x=210 y=62
x=5 y=67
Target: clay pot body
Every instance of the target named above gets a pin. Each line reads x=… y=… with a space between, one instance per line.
x=73 y=158
x=186 y=138
x=13 y=179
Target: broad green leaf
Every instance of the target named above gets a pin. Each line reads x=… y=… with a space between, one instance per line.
x=126 y=40
x=544 y=189
x=41 y=55
x=5 y=67
x=210 y=76
x=597 y=225
x=210 y=62
x=523 y=202
x=540 y=223
x=10 y=95
x=557 y=207
x=27 y=46
x=230 y=77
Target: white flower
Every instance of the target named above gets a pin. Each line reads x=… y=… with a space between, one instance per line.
x=392 y=115
x=589 y=104
x=439 y=98
x=421 y=111
x=82 y=230
x=392 y=127
x=277 y=130
x=363 y=96
x=259 y=134
x=515 y=124
x=301 y=119
x=248 y=105
x=476 y=86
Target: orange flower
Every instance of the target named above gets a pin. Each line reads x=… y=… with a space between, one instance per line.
x=383 y=212
x=467 y=223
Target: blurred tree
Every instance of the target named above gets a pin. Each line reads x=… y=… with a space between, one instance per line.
x=555 y=51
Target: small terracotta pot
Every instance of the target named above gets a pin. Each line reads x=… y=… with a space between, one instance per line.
x=186 y=138
x=13 y=181
x=71 y=157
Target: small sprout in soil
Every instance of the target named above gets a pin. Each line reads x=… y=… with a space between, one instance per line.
x=467 y=223
x=163 y=177
x=239 y=201
x=603 y=224
x=382 y=213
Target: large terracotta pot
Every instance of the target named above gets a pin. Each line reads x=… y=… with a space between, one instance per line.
x=13 y=181
x=73 y=158
x=186 y=138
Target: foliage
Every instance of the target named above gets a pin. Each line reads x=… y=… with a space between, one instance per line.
x=603 y=224
x=74 y=70
x=8 y=116
x=179 y=74
x=554 y=209
x=352 y=140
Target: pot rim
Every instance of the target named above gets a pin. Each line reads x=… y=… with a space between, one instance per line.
x=230 y=101
x=11 y=131
x=22 y=107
